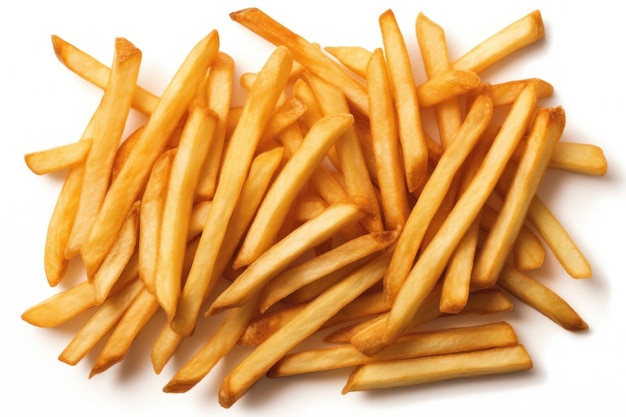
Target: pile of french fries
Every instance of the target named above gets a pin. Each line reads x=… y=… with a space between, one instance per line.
x=343 y=196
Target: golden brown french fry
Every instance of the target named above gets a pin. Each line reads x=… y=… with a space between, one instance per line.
x=513 y=37
x=446 y=86
x=410 y=130
x=505 y=93
x=118 y=257
x=541 y=298
x=180 y=191
x=349 y=152
x=58 y=157
x=434 y=193
x=121 y=155
x=583 y=158
x=285 y=115
x=123 y=192
x=258 y=108
x=280 y=255
x=546 y=131
x=422 y=370
x=305 y=52
x=300 y=275
x=150 y=215
x=220 y=88
x=109 y=125
x=264 y=356
x=424 y=275
x=90 y=69
x=218 y=346
x=139 y=312
x=413 y=345
x=558 y=239
x=385 y=144
x=61 y=307
x=303 y=93
x=103 y=320
x=264 y=229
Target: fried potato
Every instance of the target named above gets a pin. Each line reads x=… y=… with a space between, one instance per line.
x=58 y=158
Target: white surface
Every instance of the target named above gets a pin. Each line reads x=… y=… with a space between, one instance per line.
x=43 y=105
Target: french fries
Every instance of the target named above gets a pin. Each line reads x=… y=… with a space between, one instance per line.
x=322 y=201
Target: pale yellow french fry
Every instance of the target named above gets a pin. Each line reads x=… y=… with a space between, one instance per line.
x=57 y=158
x=150 y=219
x=61 y=307
x=92 y=70
x=217 y=347
x=427 y=369
x=434 y=193
x=410 y=129
x=305 y=52
x=264 y=356
x=180 y=191
x=413 y=345
x=258 y=108
x=219 y=92
x=297 y=277
x=263 y=231
x=102 y=321
x=541 y=298
x=513 y=37
x=426 y=272
x=546 y=131
x=351 y=159
x=386 y=144
x=123 y=192
x=139 y=312
x=583 y=158
x=118 y=257
x=199 y=214
x=280 y=255
x=109 y=125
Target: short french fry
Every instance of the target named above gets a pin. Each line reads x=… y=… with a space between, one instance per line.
x=132 y=178
x=413 y=345
x=505 y=93
x=352 y=57
x=58 y=158
x=61 y=307
x=541 y=298
x=405 y=372
x=290 y=180
x=583 y=158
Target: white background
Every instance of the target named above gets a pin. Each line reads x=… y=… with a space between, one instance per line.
x=42 y=105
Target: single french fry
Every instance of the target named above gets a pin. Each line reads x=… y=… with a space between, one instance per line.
x=92 y=70
x=103 y=320
x=123 y=151
x=305 y=52
x=546 y=131
x=295 y=278
x=109 y=124
x=185 y=172
x=264 y=229
x=285 y=115
x=280 y=255
x=405 y=372
x=410 y=130
x=541 y=298
x=258 y=108
x=558 y=239
x=434 y=193
x=351 y=159
x=352 y=57
x=583 y=158
x=505 y=93
x=513 y=37
x=123 y=192
x=264 y=356
x=150 y=219
x=386 y=145
x=139 y=312
x=118 y=257
x=57 y=158
x=426 y=272
x=218 y=346
x=446 y=86
x=61 y=307
x=220 y=88
x=413 y=345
